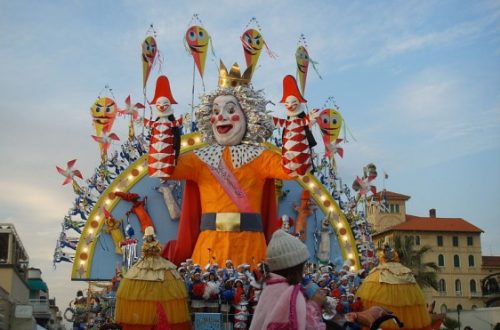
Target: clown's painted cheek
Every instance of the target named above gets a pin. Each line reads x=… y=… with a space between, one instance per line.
x=213 y=119
x=235 y=118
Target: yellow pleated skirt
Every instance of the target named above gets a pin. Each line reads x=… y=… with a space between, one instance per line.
x=406 y=301
x=136 y=302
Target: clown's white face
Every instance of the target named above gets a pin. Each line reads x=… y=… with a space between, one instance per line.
x=228 y=120
x=163 y=106
x=293 y=106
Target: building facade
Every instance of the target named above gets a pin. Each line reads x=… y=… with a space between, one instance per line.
x=24 y=296
x=455 y=247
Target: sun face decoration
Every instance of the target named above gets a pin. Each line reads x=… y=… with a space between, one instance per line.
x=103 y=112
x=252 y=42
x=149 y=49
x=197 y=39
x=302 y=58
x=330 y=122
x=228 y=120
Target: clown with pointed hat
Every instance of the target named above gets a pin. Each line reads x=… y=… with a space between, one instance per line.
x=297 y=137
x=165 y=132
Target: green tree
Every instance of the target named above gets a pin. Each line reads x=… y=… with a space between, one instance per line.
x=411 y=257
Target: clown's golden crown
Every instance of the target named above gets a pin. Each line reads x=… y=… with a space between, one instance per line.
x=234 y=78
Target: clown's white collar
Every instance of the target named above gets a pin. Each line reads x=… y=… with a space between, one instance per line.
x=241 y=154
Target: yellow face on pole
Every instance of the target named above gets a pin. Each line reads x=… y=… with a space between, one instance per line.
x=302 y=58
x=197 y=39
x=149 y=51
x=252 y=42
x=330 y=123
x=103 y=112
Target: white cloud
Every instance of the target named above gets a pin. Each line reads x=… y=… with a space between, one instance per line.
x=33 y=202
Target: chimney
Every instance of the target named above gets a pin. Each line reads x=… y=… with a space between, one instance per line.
x=432 y=213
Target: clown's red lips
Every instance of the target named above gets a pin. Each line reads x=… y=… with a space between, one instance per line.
x=223 y=129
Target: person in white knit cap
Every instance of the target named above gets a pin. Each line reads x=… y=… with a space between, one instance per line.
x=282 y=303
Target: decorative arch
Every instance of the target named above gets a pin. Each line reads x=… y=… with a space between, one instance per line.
x=135 y=172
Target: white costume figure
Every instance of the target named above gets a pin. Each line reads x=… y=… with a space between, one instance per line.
x=286 y=223
x=324 y=243
x=297 y=138
x=165 y=133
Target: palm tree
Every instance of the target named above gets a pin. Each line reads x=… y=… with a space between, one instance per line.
x=411 y=257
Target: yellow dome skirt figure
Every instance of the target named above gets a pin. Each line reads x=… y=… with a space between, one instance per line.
x=150 y=282
x=393 y=286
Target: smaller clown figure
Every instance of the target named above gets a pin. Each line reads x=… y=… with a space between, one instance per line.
x=286 y=223
x=150 y=287
x=165 y=132
x=297 y=136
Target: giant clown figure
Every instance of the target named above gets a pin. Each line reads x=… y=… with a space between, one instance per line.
x=229 y=207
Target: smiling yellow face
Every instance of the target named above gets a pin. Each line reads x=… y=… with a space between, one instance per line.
x=330 y=122
x=149 y=49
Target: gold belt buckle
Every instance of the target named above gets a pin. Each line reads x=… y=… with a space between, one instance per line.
x=227 y=221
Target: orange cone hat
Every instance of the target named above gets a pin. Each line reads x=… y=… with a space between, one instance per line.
x=290 y=88
x=163 y=89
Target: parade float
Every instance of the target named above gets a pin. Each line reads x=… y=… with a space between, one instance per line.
x=165 y=173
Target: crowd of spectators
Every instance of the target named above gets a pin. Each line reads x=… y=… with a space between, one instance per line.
x=234 y=290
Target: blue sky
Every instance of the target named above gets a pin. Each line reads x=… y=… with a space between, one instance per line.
x=417 y=83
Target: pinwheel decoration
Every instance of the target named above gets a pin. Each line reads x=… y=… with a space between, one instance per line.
x=69 y=173
x=105 y=141
x=131 y=110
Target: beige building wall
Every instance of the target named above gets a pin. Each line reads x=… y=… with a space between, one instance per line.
x=381 y=220
x=16 y=287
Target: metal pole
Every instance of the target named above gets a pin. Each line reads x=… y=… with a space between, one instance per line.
x=192 y=96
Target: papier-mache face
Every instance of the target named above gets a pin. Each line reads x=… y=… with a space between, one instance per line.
x=228 y=120
x=293 y=106
x=149 y=49
x=163 y=106
x=104 y=111
x=330 y=122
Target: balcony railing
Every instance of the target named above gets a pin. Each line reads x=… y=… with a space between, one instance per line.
x=41 y=308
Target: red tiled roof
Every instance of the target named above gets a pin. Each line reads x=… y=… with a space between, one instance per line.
x=414 y=223
x=491 y=261
x=391 y=196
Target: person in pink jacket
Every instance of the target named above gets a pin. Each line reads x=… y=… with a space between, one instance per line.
x=283 y=303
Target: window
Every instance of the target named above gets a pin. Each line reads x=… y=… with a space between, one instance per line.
x=471 y=261
x=458 y=288
x=456 y=261
x=455 y=240
x=444 y=309
x=417 y=240
x=397 y=208
x=440 y=260
x=391 y=207
x=442 y=286
x=440 y=240
x=473 y=287
x=470 y=241
x=4 y=247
